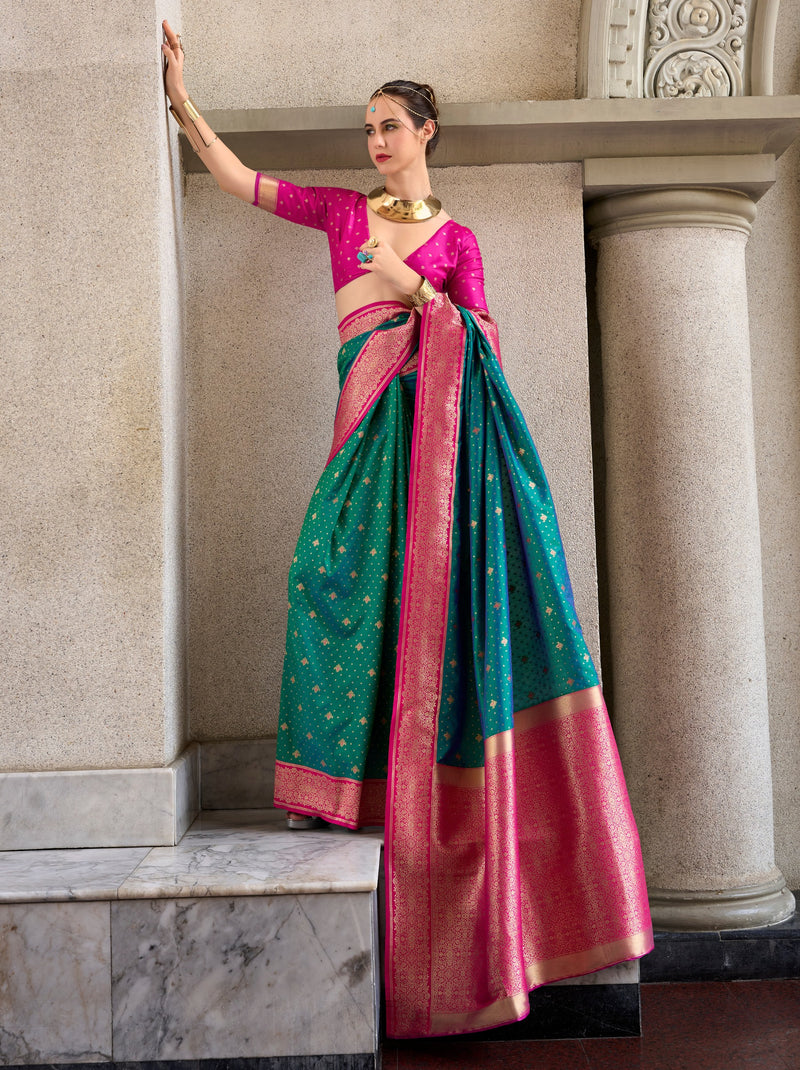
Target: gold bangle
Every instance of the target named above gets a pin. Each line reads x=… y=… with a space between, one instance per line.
x=194 y=115
x=191 y=110
x=189 y=136
x=423 y=294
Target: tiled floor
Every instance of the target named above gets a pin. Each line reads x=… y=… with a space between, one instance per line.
x=738 y=1025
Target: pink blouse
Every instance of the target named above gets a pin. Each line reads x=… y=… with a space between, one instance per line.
x=450 y=259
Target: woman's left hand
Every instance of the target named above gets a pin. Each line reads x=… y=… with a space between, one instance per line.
x=387 y=264
x=172 y=50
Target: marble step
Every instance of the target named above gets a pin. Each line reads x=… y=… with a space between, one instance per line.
x=244 y=941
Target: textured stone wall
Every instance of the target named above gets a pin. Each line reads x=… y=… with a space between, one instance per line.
x=262 y=387
x=262 y=53
x=774 y=298
x=90 y=518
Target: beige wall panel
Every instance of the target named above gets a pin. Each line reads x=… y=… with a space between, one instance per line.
x=90 y=642
x=774 y=296
x=266 y=53
x=262 y=389
x=786 y=73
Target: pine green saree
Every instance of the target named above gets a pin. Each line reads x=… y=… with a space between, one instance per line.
x=437 y=680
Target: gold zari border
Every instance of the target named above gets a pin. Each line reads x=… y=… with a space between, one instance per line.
x=554 y=709
x=513 y=1008
x=506 y=1010
x=596 y=958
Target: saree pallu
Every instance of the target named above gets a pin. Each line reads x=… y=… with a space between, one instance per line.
x=437 y=680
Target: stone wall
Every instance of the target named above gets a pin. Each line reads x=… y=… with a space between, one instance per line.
x=316 y=53
x=91 y=640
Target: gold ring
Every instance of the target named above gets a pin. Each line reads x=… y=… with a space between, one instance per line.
x=373 y=243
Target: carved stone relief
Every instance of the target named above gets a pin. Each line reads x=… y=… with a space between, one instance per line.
x=695 y=48
x=624 y=57
x=676 y=48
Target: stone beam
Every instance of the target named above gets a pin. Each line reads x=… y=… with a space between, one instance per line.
x=523 y=131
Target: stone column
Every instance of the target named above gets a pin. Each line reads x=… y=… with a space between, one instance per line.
x=684 y=562
x=91 y=499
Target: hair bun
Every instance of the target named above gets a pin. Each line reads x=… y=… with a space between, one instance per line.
x=428 y=90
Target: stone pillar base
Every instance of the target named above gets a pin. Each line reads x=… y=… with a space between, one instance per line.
x=732 y=908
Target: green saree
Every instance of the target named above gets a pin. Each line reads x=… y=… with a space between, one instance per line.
x=437 y=680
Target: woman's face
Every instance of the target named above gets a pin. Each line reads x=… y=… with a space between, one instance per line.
x=393 y=141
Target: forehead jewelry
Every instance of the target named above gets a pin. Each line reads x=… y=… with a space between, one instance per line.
x=382 y=92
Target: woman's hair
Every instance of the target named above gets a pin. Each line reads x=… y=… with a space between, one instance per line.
x=420 y=103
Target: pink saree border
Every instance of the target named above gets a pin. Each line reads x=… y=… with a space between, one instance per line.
x=596 y=958
x=528 y=934
x=352 y=803
x=368 y=317
x=421 y=645
x=513 y=1008
x=379 y=361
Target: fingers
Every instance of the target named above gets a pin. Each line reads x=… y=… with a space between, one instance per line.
x=172 y=47
x=366 y=254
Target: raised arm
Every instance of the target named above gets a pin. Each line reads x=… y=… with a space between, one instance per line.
x=231 y=174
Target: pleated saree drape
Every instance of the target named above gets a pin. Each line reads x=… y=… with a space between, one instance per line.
x=437 y=680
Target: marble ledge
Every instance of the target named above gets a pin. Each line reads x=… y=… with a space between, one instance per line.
x=64 y=876
x=223 y=854
x=99 y=808
x=237 y=774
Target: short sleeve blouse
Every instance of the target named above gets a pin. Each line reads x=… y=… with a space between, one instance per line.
x=450 y=259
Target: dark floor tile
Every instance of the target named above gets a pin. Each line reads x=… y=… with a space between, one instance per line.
x=747 y=957
x=685 y=1009
x=728 y=955
x=761 y=959
x=769 y=1000
x=511 y=1055
x=614 y=1054
x=694 y=1053
x=718 y=1026
x=787 y=1048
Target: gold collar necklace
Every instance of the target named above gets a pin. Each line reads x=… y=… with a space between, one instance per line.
x=400 y=211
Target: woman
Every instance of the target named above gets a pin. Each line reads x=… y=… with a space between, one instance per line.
x=436 y=678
